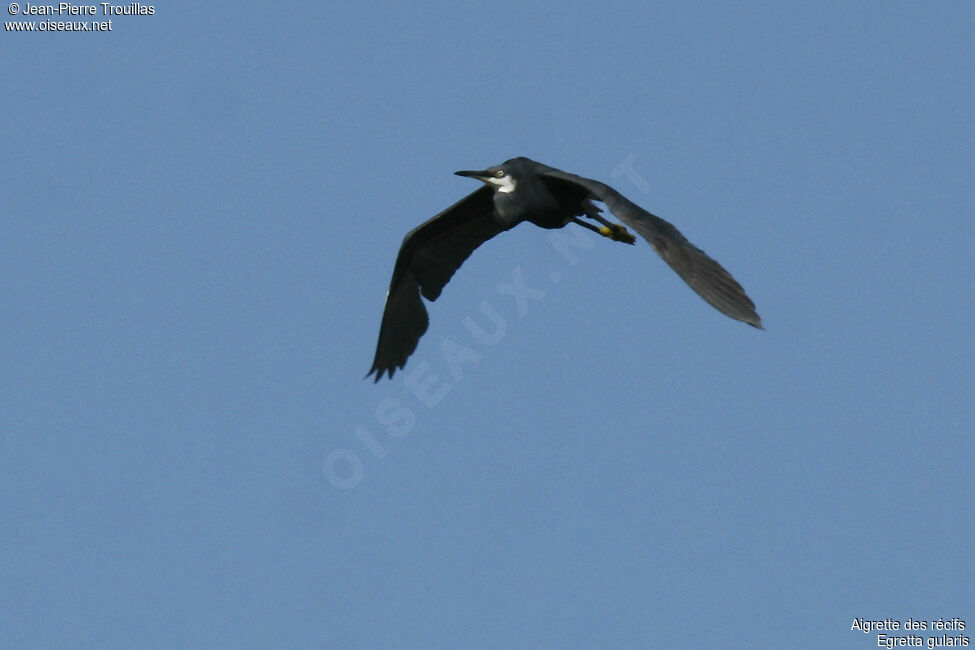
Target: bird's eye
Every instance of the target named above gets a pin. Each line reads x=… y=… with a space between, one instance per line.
x=499 y=173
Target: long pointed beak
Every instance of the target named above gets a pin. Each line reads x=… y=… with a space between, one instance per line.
x=481 y=175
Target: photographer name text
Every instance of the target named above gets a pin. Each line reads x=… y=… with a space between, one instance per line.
x=101 y=9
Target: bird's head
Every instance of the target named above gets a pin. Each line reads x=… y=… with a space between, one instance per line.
x=499 y=177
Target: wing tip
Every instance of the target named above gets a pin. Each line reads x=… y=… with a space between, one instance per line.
x=379 y=372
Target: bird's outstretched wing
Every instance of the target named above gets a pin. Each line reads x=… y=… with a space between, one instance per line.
x=693 y=265
x=430 y=254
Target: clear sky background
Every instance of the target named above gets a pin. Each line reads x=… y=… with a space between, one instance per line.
x=200 y=214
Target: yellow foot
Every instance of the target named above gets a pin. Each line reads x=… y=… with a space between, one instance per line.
x=616 y=232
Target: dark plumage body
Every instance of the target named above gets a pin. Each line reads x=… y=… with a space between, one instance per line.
x=534 y=201
x=524 y=190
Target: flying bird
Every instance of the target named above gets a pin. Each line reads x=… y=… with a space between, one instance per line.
x=524 y=190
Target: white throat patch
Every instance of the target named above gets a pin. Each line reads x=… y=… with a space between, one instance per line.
x=504 y=184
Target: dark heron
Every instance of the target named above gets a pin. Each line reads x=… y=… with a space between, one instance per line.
x=524 y=190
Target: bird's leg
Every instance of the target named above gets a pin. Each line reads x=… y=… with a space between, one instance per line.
x=586 y=224
x=615 y=231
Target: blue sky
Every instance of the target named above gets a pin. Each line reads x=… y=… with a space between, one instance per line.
x=200 y=214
